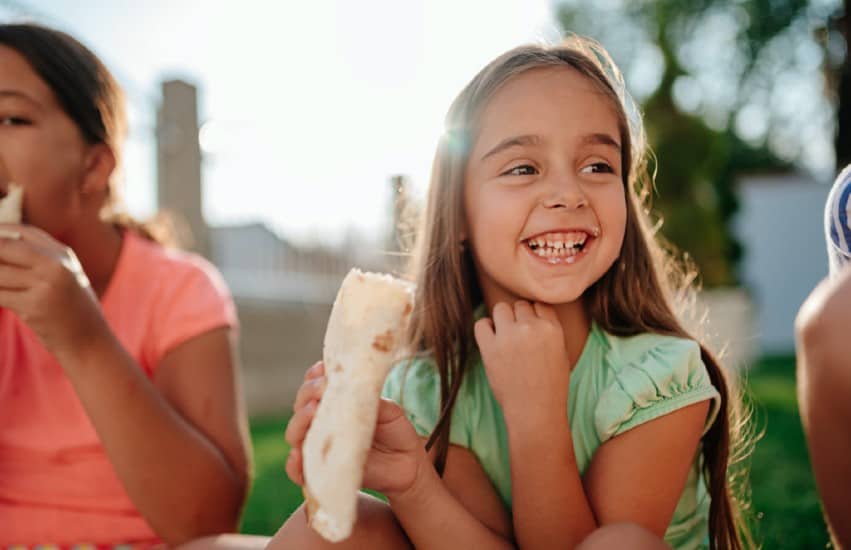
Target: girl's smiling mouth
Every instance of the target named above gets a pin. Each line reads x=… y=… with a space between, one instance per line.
x=561 y=247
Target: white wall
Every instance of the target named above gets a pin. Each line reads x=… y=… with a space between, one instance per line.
x=780 y=226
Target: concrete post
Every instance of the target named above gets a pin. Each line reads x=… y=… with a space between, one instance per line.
x=179 y=188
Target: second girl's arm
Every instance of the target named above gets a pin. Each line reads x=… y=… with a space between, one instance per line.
x=179 y=445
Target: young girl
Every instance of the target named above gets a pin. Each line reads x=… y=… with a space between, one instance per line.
x=121 y=417
x=557 y=389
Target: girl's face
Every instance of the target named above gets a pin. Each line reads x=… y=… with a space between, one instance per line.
x=544 y=200
x=40 y=147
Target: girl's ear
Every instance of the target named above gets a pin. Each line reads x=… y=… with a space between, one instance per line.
x=99 y=164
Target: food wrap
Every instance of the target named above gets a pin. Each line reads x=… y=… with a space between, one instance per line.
x=366 y=325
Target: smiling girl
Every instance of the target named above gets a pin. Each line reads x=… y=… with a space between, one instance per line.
x=561 y=399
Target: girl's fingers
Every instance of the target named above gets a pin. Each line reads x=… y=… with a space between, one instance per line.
x=483 y=331
x=12 y=299
x=545 y=311
x=315 y=371
x=299 y=423
x=14 y=278
x=503 y=315
x=17 y=252
x=523 y=311
x=309 y=391
x=295 y=467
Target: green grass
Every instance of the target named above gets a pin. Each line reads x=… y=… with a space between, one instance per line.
x=786 y=506
x=785 y=510
x=273 y=496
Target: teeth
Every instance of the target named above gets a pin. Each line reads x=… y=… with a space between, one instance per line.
x=560 y=247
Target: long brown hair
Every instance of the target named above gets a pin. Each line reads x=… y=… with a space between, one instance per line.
x=92 y=98
x=636 y=295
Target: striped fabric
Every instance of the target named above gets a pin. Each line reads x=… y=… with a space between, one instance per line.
x=837 y=221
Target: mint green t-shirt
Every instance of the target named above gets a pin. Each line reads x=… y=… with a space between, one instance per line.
x=617 y=384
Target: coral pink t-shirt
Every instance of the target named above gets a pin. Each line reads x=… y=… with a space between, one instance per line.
x=56 y=483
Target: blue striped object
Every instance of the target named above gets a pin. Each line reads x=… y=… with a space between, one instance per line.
x=837 y=221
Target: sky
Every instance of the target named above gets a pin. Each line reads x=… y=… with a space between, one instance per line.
x=308 y=107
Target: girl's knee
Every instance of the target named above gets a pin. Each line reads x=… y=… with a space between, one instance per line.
x=623 y=535
x=376 y=527
x=227 y=542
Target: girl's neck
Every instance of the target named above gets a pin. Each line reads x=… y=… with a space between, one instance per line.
x=98 y=247
x=576 y=325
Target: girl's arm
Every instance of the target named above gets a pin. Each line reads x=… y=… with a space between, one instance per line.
x=464 y=511
x=180 y=449
x=465 y=496
x=636 y=477
x=179 y=445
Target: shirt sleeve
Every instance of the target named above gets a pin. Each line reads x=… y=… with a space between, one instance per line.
x=192 y=300
x=669 y=376
x=415 y=386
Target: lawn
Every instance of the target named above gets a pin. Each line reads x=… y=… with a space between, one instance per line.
x=785 y=506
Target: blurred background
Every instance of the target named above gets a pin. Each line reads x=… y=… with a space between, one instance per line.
x=291 y=136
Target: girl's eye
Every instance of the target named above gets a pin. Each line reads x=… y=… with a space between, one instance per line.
x=598 y=168
x=13 y=121
x=522 y=170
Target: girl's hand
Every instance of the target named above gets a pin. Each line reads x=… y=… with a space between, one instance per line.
x=397 y=456
x=525 y=360
x=42 y=281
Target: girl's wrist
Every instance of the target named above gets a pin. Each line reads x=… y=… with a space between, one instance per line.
x=87 y=348
x=537 y=423
x=531 y=414
x=419 y=492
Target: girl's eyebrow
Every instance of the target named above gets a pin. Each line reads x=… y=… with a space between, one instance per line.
x=18 y=95
x=601 y=139
x=514 y=141
x=530 y=139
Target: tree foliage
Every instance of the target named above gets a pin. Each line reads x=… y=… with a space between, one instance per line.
x=709 y=76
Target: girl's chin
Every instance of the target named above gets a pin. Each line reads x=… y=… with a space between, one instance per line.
x=554 y=298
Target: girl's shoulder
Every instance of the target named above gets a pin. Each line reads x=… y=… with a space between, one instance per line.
x=648 y=347
x=149 y=255
x=646 y=376
x=145 y=264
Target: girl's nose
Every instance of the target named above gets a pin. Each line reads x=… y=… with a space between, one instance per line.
x=565 y=194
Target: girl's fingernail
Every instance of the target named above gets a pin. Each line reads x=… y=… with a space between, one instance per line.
x=12 y=235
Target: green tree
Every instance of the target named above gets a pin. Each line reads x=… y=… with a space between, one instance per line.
x=710 y=77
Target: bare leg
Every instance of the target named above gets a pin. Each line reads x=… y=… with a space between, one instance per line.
x=622 y=535
x=227 y=542
x=823 y=330
x=376 y=528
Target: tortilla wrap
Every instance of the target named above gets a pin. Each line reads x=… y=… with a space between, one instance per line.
x=11 y=204
x=367 y=322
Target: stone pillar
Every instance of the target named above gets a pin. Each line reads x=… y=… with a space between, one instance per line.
x=179 y=188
